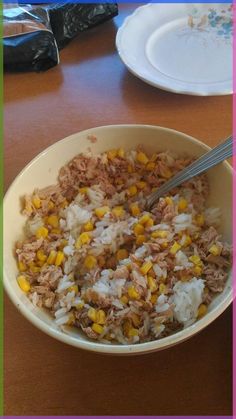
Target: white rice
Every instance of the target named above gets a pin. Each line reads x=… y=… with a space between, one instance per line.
x=186 y=299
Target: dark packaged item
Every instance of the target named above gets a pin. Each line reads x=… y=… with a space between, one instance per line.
x=68 y=19
x=28 y=40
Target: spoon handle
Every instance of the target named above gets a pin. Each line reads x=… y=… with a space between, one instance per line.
x=211 y=158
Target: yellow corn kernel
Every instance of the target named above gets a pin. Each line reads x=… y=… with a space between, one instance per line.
x=119 y=181
x=64 y=204
x=88 y=226
x=41 y=255
x=196 y=235
x=55 y=231
x=165 y=172
x=135 y=319
x=22 y=266
x=154 y=298
x=101 y=317
x=154 y=157
x=200 y=220
x=142 y=158
x=141 y=184
x=196 y=260
x=133 y=293
x=146 y=267
x=31 y=265
x=162 y=289
x=36 y=201
x=169 y=200
x=160 y=234
x=84 y=238
x=187 y=241
x=174 y=248
x=63 y=243
x=152 y=284
x=124 y=299
x=197 y=270
x=51 y=205
x=143 y=220
x=138 y=229
x=138 y=262
x=23 y=283
x=80 y=305
x=92 y=314
x=100 y=212
x=150 y=166
x=202 y=309
x=127 y=326
x=97 y=328
x=182 y=204
x=184 y=278
x=121 y=153
x=35 y=269
x=140 y=239
x=215 y=250
x=149 y=223
x=132 y=190
x=154 y=189
x=52 y=257
x=53 y=221
x=112 y=154
x=134 y=209
x=90 y=262
x=83 y=190
x=71 y=320
x=118 y=211
x=129 y=267
x=122 y=254
x=132 y=332
x=151 y=272
x=59 y=258
x=42 y=232
x=164 y=245
x=40 y=263
x=130 y=168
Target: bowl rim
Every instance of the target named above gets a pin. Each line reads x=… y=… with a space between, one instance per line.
x=116 y=349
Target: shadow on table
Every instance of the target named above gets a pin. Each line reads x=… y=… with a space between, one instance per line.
x=94 y=43
x=19 y=86
x=136 y=91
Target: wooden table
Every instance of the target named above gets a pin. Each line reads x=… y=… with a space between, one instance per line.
x=92 y=87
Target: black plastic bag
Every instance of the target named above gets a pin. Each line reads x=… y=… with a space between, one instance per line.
x=68 y=19
x=33 y=34
x=28 y=42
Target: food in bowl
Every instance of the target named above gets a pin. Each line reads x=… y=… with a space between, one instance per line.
x=97 y=260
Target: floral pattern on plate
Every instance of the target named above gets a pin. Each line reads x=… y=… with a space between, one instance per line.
x=220 y=22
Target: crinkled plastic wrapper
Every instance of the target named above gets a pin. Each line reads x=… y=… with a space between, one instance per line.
x=28 y=41
x=68 y=19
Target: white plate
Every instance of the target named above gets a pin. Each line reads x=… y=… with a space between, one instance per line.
x=184 y=48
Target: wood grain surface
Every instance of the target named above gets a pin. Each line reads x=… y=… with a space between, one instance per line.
x=91 y=87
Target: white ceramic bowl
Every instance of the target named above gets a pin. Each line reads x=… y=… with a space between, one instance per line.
x=43 y=170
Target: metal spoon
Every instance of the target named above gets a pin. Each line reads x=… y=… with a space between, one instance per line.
x=211 y=158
